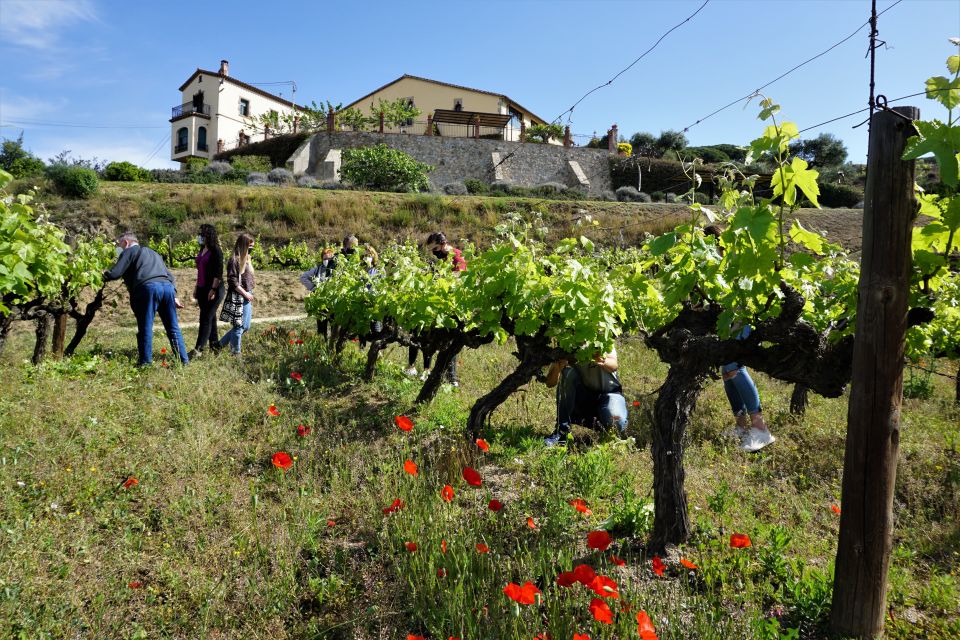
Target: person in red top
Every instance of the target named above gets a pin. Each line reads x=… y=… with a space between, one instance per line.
x=442 y=250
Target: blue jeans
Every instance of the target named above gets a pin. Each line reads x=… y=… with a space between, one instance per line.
x=232 y=337
x=150 y=298
x=576 y=404
x=741 y=391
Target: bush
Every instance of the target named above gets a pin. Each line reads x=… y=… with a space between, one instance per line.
x=839 y=195
x=257 y=179
x=167 y=175
x=257 y=164
x=384 y=169
x=609 y=196
x=657 y=196
x=125 y=172
x=628 y=194
x=19 y=162
x=307 y=181
x=625 y=148
x=643 y=197
x=280 y=176
x=550 y=188
x=73 y=182
x=218 y=167
x=455 y=189
x=333 y=185
x=502 y=187
x=193 y=165
x=476 y=187
x=670 y=197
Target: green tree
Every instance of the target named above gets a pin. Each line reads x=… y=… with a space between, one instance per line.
x=396 y=113
x=19 y=162
x=544 y=132
x=384 y=169
x=644 y=144
x=826 y=150
x=670 y=140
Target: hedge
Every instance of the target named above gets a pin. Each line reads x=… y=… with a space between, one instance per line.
x=278 y=149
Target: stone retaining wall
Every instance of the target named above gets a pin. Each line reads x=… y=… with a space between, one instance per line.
x=458 y=159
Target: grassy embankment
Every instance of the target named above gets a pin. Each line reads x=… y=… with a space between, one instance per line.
x=213 y=541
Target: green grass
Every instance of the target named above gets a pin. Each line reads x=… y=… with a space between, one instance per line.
x=224 y=545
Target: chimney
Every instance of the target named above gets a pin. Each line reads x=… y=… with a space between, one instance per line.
x=225 y=67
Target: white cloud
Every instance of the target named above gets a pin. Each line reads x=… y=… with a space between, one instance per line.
x=135 y=149
x=14 y=107
x=37 y=24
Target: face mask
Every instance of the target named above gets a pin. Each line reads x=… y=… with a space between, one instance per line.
x=117 y=251
x=440 y=253
x=200 y=240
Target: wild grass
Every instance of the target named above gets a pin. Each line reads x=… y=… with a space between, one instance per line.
x=213 y=541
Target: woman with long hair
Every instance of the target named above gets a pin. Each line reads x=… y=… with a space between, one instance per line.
x=208 y=291
x=238 y=305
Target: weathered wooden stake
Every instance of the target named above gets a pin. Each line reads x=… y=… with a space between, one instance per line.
x=873 y=417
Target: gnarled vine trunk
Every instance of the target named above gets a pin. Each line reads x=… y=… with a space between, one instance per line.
x=44 y=321
x=799 y=400
x=83 y=321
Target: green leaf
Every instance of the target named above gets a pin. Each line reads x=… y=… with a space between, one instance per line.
x=944 y=91
x=809 y=239
x=953 y=64
x=942 y=141
x=664 y=243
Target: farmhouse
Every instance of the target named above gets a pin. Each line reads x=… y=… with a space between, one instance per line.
x=217 y=110
x=453 y=110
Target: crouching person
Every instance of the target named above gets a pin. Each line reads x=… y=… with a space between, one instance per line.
x=587 y=394
x=152 y=290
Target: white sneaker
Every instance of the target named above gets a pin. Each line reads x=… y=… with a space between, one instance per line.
x=424 y=375
x=756 y=439
x=736 y=432
x=412 y=372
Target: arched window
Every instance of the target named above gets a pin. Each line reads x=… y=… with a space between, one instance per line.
x=183 y=138
x=202 y=139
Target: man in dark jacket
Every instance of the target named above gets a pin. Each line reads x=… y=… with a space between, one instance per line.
x=152 y=290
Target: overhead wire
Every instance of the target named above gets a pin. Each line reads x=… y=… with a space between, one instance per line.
x=44 y=123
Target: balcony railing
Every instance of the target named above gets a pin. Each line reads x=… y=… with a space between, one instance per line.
x=180 y=148
x=189 y=109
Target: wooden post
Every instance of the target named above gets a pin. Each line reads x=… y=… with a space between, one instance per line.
x=429 y=130
x=523 y=130
x=566 y=136
x=330 y=120
x=476 y=127
x=873 y=416
x=381 y=122
x=59 y=334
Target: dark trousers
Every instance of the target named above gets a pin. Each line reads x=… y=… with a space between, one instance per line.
x=147 y=300
x=208 y=334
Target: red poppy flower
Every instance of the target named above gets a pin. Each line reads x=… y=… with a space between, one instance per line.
x=410 y=636
x=601 y=612
x=482 y=548
x=604 y=587
x=566 y=579
x=658 y=566
x=411 y=467
x=617 y=560
x=688 y=564
x=331 y=523
x=580 y=505
x=303 y=430
x=130 y=482
x=298 y=341
x=297 y=377
x=645 y=627
x=599 y=540
x=163 y=351
x=527 y=594
x=411 y=546
x=740 y=541
x=403 y=423
x=441 y=573
x=396 y=506
x=272 y=410
x=581 y=636
x=531 y=523
x=584 y=574
x=495 y=505
x=447 y=493
x=472 y=477
x=636 y=403
x=282 y=460
x=443 y=546
x=164 y=364
x=835 y=509
x=483 y=445
x=134 y=584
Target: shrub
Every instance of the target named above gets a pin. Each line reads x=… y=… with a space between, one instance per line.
x=542 y=133
x=609 y=196
x=194 y=165
x=280 y=176
x=384 y=169
x=218 y=167
x=657 y=196
x=550 y=188
x=643 y=197
x=73 y=182
x=625 y=148
x=334 y=185
x=17 y=161
x=478 y=187
x=307 y=181
x=258 y=164
x=125 y=172
x=698 y=197
x=839 y=195
x=670 y=197
x=167 y=175
x=455 y=189
x=257 y=179
x=628 y=194
x=501 y=186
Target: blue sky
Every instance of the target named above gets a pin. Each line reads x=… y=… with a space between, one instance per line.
x=118 y=63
